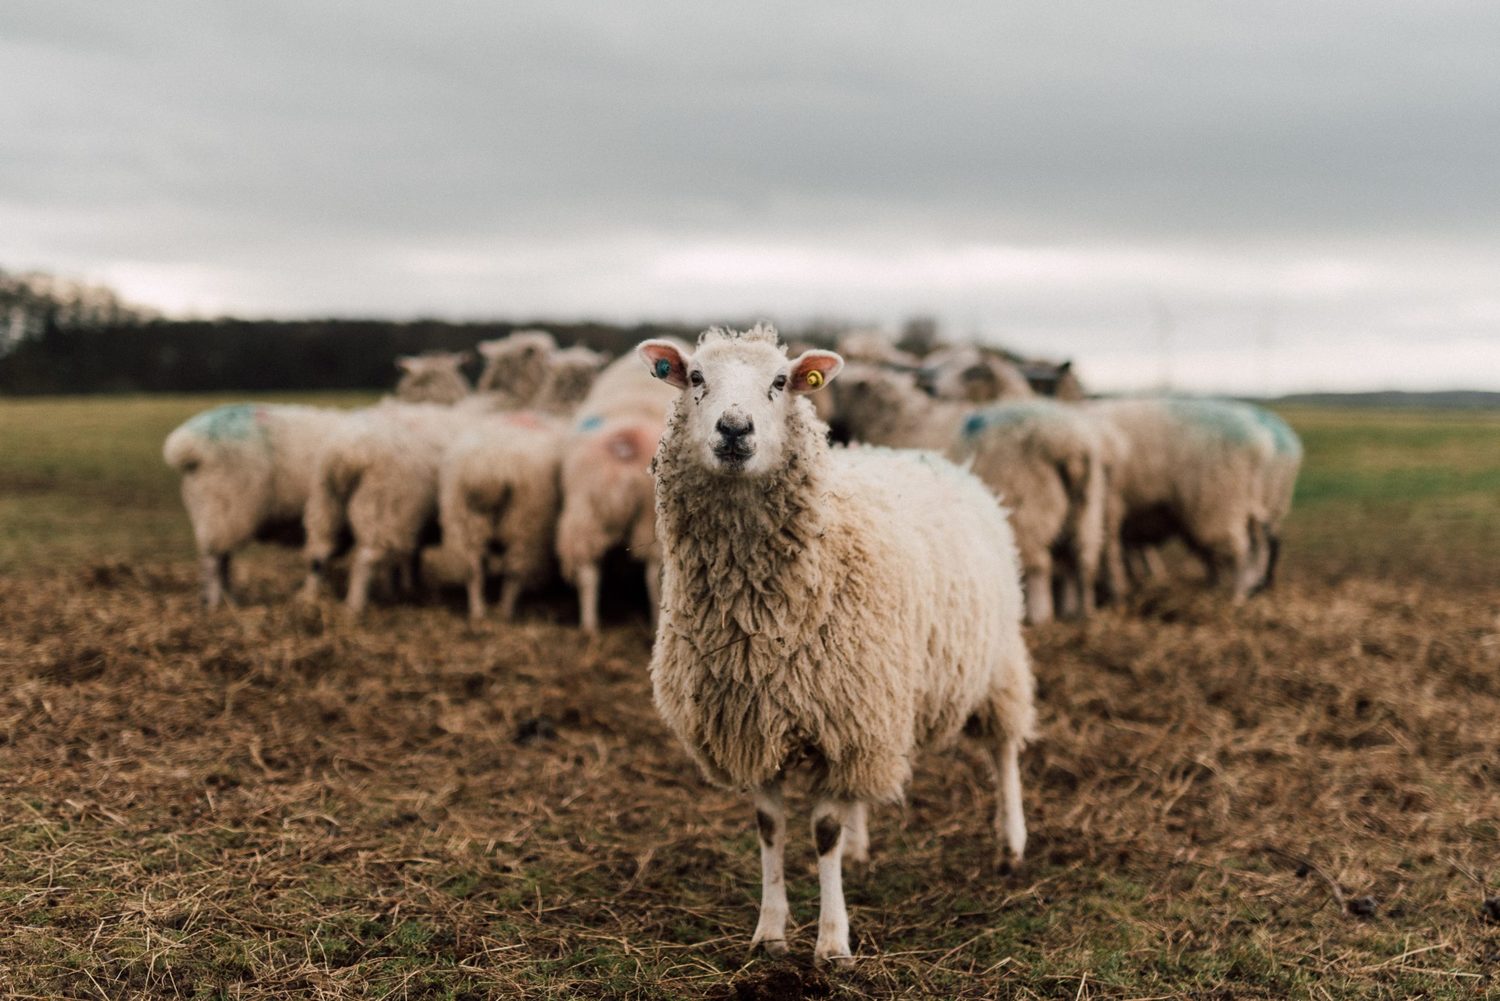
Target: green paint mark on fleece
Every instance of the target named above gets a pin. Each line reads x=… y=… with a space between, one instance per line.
x=235 y=422
x=1286 y=440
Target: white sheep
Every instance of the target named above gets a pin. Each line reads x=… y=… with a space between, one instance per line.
x=830 y=609
x=608 y=497
x=435 y=377
x=498 y=499
x=246 y=470
x=514 y=366
x=1216 y=473
x=376 y=478
x=498 y=489
x=974 y=374
x=1043 y=459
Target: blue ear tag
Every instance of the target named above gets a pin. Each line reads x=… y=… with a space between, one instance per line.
x=662 y=368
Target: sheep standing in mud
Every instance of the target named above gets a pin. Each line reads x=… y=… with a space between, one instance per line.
x=818 y=611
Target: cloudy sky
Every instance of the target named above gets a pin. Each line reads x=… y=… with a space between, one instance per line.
x=1247 y=196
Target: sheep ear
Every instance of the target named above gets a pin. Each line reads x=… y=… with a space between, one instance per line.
x=406 y=363
x=665 y=361
x=812 y=370
x=1065 y=367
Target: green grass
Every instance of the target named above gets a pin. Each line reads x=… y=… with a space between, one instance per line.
x=82 y=478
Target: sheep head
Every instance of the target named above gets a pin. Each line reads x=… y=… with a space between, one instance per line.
x=739 y=391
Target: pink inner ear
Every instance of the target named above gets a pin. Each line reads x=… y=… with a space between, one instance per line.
x=666 y=364
x=825 y=365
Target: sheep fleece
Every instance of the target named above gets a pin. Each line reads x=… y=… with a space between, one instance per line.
x=844 y=611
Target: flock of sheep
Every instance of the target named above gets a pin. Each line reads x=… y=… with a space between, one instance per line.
x=819 y=607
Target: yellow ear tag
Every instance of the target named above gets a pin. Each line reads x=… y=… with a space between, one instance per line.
x=814 y=379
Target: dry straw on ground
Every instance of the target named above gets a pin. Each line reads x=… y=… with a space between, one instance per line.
x=1299 y=797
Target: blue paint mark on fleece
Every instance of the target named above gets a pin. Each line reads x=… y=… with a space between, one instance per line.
x=1285 y=439
x=591 y=423
x=1004 y=415
x=235 y=422
x=1230 y=421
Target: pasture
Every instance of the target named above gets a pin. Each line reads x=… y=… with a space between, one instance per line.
x=1300 y=797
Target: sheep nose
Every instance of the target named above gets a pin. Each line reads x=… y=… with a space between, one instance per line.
x=734 y=427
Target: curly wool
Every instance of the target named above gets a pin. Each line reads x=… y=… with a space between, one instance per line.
x=822 y=615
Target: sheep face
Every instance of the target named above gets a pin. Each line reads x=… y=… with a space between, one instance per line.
x=866 y=397
x=738 y=392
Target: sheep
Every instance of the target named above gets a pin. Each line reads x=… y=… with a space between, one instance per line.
x=606 y=484
x=830 y=608
x=246 y=470
x=498 y=489
x=436 y=377
x=972 y=373
x=498 y=498
x=376 y=477
x=874 y=348
x=1043 y=459
x=1217 y=473
x=515 y=366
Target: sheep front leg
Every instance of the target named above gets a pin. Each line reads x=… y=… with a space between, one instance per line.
x=215 y=569
x=829 y=817
x=588 y=598
x=770 y=824
x=1010 y=819
x=1039 y=590
x=476 y=587
x=510 y=597
x=857 y=835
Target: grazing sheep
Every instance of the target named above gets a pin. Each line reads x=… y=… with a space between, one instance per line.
x=498 y=501
x=835 y=609
x=246 y=470
x=376 y=477
x=1206 y=471
x=607 y=491
x=974 y=374
x=515 y=366
x=1043 y=459
x=436 y=377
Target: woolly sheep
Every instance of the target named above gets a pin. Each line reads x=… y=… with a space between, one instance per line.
x=515 y=366
x=432 y=378
x=376 y=477
x=498 y=499
x=974 y=374
x=818 y=610
x=872 y=347
x=1217 y=473
x=606 y=483
x=246 y=470
x=1043 y=459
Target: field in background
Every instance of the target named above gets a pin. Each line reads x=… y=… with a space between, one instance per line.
x=271 y=802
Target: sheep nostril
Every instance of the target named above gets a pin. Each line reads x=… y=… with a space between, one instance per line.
x=734 y=428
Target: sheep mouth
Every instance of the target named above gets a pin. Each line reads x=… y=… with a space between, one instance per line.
x=733 y=454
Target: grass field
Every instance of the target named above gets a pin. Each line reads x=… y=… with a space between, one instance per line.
x=1296 y=798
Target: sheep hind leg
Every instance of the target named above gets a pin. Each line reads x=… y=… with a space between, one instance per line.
x=476 y=587
x=361 y=573
x=510 y=597
x=1039 y=591
x=857 y=835
x=770 y=826
x=1010 y=817
x=829 y=817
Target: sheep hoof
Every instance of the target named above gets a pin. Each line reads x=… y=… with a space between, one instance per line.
x=773 y=947
x=843 y=961
x=1006 y=863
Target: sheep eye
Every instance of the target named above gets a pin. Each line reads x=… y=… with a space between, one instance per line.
x=695 y=377
x=779 y=383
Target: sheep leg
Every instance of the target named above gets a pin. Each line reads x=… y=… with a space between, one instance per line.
x=857 y=835
x=476 y=587
x=215 y=569
x=770 y=824
x=829 y=817
x=1010 y=819
x=510 y=596
x=361 y=573
x=1039 y=590
x=588 y=598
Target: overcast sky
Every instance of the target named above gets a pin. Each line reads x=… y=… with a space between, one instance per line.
x=1252 y=196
